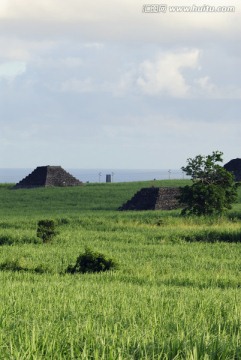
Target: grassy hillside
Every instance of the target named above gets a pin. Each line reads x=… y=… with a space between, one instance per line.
x=176 y=293
x=103 y=196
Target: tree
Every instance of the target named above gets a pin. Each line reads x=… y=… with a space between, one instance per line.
x=213 y=188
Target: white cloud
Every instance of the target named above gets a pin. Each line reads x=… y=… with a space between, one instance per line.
x=164 y=75
x=10 y=70
x=206 y=85
x=114 y=20
x=22 y=50
x=207 y=89
x=155 y=80
x=175 y=74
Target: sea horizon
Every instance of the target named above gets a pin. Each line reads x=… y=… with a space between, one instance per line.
x=14 y=175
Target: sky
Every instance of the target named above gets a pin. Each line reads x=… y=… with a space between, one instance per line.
x=118 y=84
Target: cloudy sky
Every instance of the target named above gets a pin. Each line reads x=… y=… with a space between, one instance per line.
x=107 y=85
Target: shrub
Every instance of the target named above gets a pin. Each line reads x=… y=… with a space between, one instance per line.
x=13 y=265
x=91 y=261
x=63 y=221
x=12 y=239
x=46 y=230
x=6 y=240
x=22 y=264
x=213 y=190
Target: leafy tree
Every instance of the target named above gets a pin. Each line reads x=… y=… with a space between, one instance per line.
x=213 y=188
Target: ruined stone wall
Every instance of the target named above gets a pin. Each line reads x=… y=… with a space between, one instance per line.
x=56 y=176
x=164 y=198
x=167 y=198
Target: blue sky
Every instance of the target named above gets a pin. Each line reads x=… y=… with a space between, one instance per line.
x=106 y=85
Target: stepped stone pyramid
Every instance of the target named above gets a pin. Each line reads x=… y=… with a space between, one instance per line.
x=234 y=166
x=154 y=198
x=45 y=176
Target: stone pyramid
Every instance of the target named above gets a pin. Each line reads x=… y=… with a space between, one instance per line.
x=45 y=176
x=153 y=198
x=234 y=166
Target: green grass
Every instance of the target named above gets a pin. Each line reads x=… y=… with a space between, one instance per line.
x=74 y=199
x=176 y=293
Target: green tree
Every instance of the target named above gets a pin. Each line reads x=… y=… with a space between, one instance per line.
x=213 y=188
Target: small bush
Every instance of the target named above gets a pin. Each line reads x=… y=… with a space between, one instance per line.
x=9 y=239
x=14 y=265
x=214 y=236
x=63 y=221
x=90 y=262
x=46 y=230
x=22 y=264
x=6 y=240
x=41 y=269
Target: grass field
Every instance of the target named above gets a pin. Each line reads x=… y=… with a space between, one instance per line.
x=175 y=295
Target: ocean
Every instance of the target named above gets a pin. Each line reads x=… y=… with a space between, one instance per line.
x=99 y=175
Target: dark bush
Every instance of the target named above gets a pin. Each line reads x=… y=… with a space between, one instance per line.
x=22 y=264
x=90 y=262
x=214 y=236
x=46 y=230
x=13 y=265
x=6 y=240
x=63 y=221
